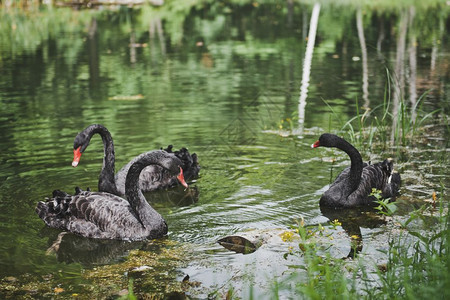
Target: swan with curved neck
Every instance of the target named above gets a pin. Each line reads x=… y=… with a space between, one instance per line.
x=354 y=185
x=106 y=216
x=152 y=178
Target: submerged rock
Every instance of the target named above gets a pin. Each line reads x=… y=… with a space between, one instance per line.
x=249 y=241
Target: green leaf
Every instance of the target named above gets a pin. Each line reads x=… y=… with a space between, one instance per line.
x=419 y=236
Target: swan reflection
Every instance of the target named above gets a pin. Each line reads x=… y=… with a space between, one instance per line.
x=352 y=220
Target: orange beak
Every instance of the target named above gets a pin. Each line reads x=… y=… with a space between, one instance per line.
x=180 y=178
x=76 y=157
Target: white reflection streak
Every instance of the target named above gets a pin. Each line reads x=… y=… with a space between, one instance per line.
x=307 y=66
x=156 y=25
x=399 y=72
x=365 y=69
x=412 y=66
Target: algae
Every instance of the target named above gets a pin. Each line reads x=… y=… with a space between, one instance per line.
x=153 y=275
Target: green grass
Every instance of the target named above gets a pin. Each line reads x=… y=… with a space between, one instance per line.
x=130 y=295
x=417 y=267
x=420 y=269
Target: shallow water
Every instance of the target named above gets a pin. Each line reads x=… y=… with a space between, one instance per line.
x=225 y=82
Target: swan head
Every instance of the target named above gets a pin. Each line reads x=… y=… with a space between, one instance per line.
x=171 y=163
x=79 y=145
x=189 y=162
x=76 y=156
x=166 y=160
x=316 y=144
x=327 y=140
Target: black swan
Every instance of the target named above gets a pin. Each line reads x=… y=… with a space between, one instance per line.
x=152 y=178
x=106 y=216
x=354 y=185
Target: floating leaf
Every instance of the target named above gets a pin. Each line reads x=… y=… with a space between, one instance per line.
x=237 y=244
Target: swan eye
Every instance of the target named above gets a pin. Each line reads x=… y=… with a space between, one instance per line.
x=76 y=156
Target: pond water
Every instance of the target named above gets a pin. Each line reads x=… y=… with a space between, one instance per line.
x=248 y=88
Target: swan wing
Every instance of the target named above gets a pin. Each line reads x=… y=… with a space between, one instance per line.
x=374 y=176
x=154 y=177
x=92 y=214
x=151 y=178
x=344 y=175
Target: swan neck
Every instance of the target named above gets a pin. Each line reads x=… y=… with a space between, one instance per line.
x=148 y=216
x=106 y=180
x=356 y=166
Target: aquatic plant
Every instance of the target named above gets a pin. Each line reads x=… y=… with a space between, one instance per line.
x=141 y=274
x=419 y=269
x=320 y=274
x=385 y=206
x=397 y=124
x=417 y=266
x=130 y=295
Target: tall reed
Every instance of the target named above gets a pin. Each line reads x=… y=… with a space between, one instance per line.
x=383 y=124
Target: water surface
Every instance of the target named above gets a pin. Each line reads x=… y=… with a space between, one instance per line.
x=225 y=82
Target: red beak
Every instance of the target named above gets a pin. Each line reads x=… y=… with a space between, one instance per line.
x=76 y=157
x=315 y=145
x=180 y=178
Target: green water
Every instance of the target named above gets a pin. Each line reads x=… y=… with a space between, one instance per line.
x=223 y=80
